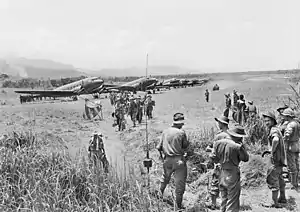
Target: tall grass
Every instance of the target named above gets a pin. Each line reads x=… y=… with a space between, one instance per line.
x=39 y=179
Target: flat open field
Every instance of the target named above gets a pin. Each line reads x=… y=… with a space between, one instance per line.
x=64 y=120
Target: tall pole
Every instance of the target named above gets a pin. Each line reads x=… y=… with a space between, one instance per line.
x=147 y=66
x=147 y=161
x=146 y=118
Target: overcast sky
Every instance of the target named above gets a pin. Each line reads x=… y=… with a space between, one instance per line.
x=235 y=35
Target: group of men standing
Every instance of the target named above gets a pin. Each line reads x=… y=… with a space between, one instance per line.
x=241 y=111
x=227 y=151
x=134 y=106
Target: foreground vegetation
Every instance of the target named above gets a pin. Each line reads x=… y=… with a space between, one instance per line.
x=32 y=177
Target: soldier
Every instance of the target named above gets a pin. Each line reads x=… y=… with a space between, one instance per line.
x=229 y=153
x=149 y=106
x=223 y=122
x=139 y=109
x=235 y=98
x=119 y=113
x=281 y=122
x=206 y=95
x=173 y=144
x=251 y=109
x=291 y=139
x=241 y=106
x=278 y=161
x=132 y=110
x=97 y=152
x=227 y=104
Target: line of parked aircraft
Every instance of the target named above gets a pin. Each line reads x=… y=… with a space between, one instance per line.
x=96 y=85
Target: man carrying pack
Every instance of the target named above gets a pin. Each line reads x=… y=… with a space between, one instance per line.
x=97 y=152
x=229 y=153
x=227 y=105
x=173 y=144
x=275 y=179
x=222 y=134
x=133 y=110
x=291 y=139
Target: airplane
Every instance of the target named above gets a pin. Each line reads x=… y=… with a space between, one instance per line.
x=89 y=85
x=141 y=84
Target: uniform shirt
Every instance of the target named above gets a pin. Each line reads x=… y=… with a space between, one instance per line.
x=282 y=125
x=133 y=107
x=228 y=153
x=173 y=142
x=252 y=109
x=291 y=133
x=277 y=147
x=228 y=102
x=220 y=135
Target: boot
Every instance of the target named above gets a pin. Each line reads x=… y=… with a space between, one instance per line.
x=179 y=202
x=282 y=198
x=275 y=199
x=294 y=181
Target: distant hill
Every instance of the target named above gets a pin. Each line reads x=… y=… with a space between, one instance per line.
x=37 y=68
x=135 y=71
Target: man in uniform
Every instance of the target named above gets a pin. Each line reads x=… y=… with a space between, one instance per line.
x=252 y=110
x=132 y=111
x=291 y=139
x=229 y=153
x=227 y=104
x=281 y=122
x=149 y=106
x=235 y=98
x=173 y=144
x=97 y=152
x=139 y=104
x=206 y=95
x=223 y=122
x=275 y=179
x=119 y=113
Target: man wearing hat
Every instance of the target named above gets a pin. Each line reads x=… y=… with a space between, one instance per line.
x=275 y=179
x=119 y=113
x=235 y=98
x=149 y=106
x=132 y=110
x=139 y=115
x=227 y=104
x=291 y=139
x=229 y=153
x=207 y=95
x=173 y=144
x=252 y=110
x=222 y=134
x=97 y=152
x=280 y=120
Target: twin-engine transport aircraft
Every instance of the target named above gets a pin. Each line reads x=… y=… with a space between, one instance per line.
x=88 y=85
x=141 y=84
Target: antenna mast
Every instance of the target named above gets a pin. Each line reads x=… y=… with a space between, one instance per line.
x=147 y=161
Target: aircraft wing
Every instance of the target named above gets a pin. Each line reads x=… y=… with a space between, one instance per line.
x=119 y=87
x=49 y=93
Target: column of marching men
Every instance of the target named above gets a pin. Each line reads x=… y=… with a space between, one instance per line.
x=134 y=106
